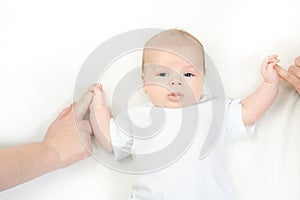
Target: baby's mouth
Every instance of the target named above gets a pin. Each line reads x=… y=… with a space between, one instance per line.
x=175 y=96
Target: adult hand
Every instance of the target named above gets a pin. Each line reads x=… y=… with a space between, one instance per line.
x=69 y=135
x=292 y=76
x=67 y=141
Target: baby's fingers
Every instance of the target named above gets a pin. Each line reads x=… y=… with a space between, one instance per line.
x=271 y=59
x=98 y=98
x=266 y=60
x=94 y=87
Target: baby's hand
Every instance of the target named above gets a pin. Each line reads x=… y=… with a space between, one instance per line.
x=99 y=96
x=268 y=71
x=100 y=117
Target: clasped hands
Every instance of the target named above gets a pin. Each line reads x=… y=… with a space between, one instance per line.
x=69 y=135
x=292 y=76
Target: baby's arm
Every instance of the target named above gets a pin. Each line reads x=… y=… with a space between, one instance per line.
x=100 y=118
x=255 y=105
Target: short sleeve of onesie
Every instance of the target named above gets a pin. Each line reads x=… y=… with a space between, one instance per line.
x=233 y=126
x=120 y=138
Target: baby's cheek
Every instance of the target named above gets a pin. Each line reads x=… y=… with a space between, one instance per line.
x=155 y=91
x=197 y=89
x=197 y=95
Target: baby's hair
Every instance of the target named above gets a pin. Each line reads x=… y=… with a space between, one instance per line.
x=187 y=34
x=171 y=41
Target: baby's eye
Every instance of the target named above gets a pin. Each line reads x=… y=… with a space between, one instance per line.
x=188 y=74
x=163 y=74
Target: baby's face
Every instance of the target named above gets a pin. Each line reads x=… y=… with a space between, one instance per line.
x=170 y=81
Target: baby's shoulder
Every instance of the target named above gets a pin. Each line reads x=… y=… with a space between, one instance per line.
x=206 y=102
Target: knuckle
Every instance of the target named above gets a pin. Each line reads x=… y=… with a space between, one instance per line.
x=290 y=69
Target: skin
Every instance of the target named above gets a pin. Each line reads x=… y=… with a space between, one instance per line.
x=100 y=117
x=61 y=147
x=255 y=105
x=170 y=81
x=292 y=76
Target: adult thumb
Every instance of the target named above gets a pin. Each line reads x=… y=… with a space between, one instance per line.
x=82 y=106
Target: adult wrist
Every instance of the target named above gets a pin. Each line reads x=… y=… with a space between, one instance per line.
x=53 y=156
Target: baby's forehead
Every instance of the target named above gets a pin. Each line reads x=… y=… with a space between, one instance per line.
x=158 y=57
x=170 y=68
x=171 y=39
x=176 y=43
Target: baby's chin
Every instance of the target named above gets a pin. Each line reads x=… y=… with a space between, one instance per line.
x=175 y=105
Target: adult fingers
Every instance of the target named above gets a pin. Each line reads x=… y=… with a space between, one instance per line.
x=86 y=141
x=64 y=112
x=92 y=87
x=295 y=70
x=288 y=77
x=297 y=61
x=84 y=125
x=82 y=106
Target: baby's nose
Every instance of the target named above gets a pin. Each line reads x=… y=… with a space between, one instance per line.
x=176 y=81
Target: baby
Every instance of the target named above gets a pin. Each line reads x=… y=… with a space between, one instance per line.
x=173 y=73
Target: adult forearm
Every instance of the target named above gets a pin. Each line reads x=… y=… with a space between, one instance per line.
x=255 y=105
x=22 y=163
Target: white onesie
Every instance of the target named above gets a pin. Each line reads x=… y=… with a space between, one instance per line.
x=187 y=178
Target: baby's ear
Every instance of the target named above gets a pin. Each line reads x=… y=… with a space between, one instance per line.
x=143 y=80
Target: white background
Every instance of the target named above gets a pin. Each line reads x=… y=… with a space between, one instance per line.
x=44 y=43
